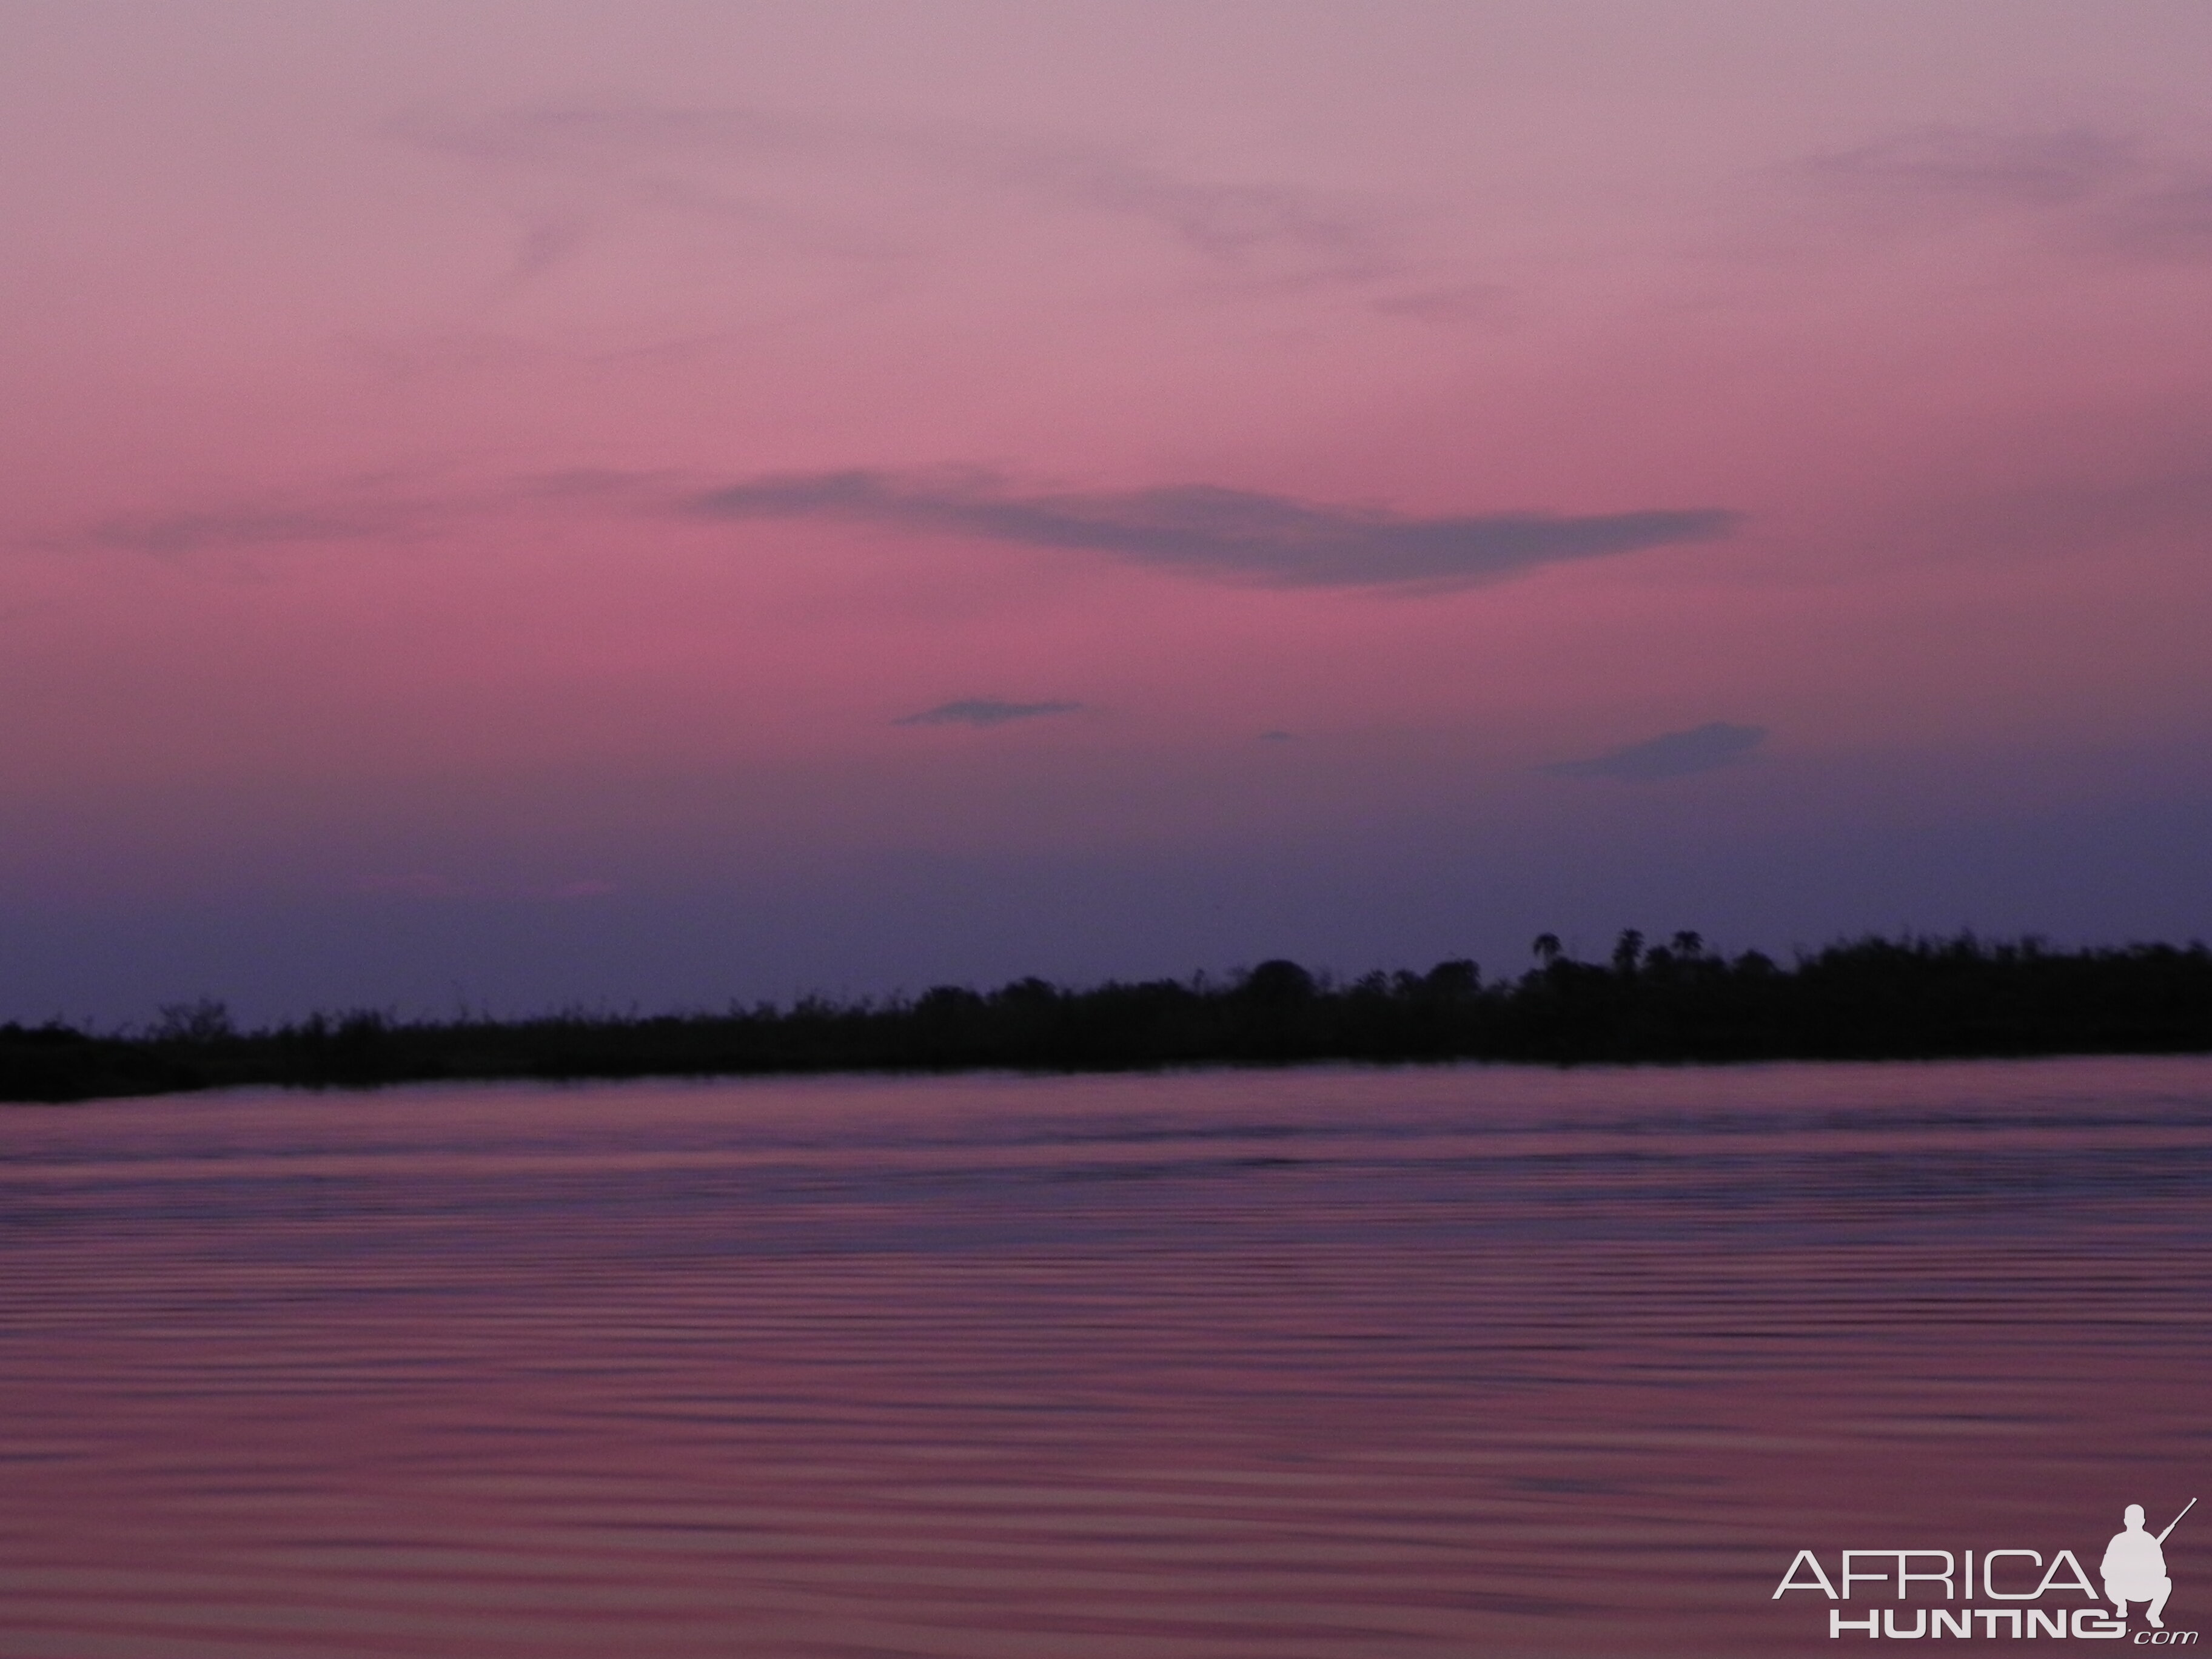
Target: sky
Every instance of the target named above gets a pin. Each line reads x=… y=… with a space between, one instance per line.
x=516 y=506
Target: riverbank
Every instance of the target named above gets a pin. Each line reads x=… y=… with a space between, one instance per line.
x=1865 y=999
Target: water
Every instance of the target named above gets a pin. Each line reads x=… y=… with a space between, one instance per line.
x=1318 y=1365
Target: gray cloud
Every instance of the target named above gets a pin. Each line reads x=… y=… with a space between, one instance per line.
x=2174 y=221
x=1672 y=755
x=1233 y=533
x=758 y=172
x=1960 y=164
x=2067 y=515
x=1455 y=302
x=249 y=526
x=985 y=711
x=1300 y=232
x=737 y=159
x=390 y=508
x=2105 y=190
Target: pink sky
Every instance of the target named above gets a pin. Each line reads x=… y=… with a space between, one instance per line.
x=487 y=484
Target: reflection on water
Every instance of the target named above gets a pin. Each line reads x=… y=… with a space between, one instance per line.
x=1328 y=1363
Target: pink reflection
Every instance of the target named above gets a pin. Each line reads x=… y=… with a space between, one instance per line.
x=1398 y=1363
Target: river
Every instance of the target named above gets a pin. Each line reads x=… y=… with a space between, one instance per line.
x=1325 y=1364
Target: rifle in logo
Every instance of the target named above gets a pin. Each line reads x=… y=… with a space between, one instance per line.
x=2176 y=1522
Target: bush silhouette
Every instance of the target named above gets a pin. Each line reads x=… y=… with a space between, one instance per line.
x=1908 y=998
x=1278 y=984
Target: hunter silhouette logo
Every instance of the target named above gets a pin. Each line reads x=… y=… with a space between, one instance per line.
x=2133 y=1569
x=2135 y=1566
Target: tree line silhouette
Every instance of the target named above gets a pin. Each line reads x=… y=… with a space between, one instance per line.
x=1870 y=999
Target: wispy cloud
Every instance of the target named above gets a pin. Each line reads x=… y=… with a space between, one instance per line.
x=1672 y=755
x=2175 y=221
x=246 y=527
x=1961 y=165
x=2102 y=189
x=1452 y=302
x=1284 y=229
x=769 y=169
x=422 y=884
x=985 y=711
x=1206 y=530
x=391 y=508
x=1197 y=530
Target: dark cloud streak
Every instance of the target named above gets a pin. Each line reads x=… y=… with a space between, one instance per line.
x=1231 y=533
x=390 y=509
x=1959 y=164
x=985 y=711
x=249 y=527
x=1671 y=755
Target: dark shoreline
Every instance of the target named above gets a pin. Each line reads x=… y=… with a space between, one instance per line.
x=1872 y=999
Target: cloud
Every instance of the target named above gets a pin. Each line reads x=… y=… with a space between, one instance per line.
x=425 y=885
x=2106 y=190
x=1206 y=530
x=2173 y=222
x=390 y=508
x=2067 y=515
x=1456 y=302
x=1300 y=232
x=1961 y=165
x=985 y=711
x=1672 y=755
x=768 y=168
x=249 y=526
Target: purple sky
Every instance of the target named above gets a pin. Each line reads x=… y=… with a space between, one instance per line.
x=543 y=503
